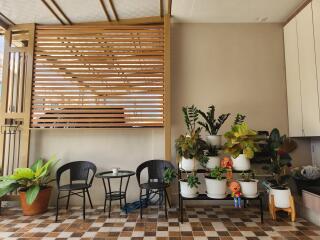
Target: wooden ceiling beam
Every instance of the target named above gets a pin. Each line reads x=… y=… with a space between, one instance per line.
x=5 y=20
x=103 y=5
x=61 y=12
x=169 y=8
x=4 y=25
x=161 y=8
x=53 y=12
x=114 y=10
x=297 y=10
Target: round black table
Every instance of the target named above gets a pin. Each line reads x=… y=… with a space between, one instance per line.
x=115 y=195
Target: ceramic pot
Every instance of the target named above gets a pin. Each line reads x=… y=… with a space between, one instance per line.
x=187 y=191
x=216 y=188
x=214 y=140
x=241 y=163
x=189 y=164
x=281 y=197
x=249 y=189
x=214 y=161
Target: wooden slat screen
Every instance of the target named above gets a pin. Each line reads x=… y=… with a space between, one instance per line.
x=98 y=76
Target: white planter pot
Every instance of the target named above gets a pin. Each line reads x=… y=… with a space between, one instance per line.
x=187 y=191
x=213 y=162
x=281 y=197
x=214 y=140
x=216 y=188
x=249 y=189
x=188 y=164
x=241 y=163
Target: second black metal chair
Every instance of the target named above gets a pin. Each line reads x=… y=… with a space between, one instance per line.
x=80 y=180
x=155 y=181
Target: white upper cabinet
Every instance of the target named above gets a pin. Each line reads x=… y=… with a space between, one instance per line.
x=308 y=72
x=293 y=79
x=302 y=49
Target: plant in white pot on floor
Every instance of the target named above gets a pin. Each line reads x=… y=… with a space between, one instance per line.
x=190 y=147
x=249 y=185
x=189 y=186
x=213 y=125
x=214 y=160
x=278 y=149
x=241 y=144
x=216 y=183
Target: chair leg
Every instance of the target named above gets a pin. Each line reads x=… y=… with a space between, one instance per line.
x=167 y=197
x=84 y=204
x=148 y=197
x=125 y=204
x=165 y=203
x=68 y=200
x=87 y=190
x=140 y=199
x=105 y=204
x=57 y=206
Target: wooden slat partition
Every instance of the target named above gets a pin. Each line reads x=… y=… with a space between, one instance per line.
x=98 y=76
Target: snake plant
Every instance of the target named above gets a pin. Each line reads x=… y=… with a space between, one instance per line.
x=31 y=180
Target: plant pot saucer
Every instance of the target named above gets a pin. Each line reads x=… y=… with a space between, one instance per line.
x=190 y=195
x=254 y=196
x=217 y=196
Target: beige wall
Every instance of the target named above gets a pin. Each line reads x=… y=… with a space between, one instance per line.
x=237 y=67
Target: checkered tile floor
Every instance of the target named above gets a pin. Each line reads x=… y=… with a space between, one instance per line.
x=215 y=222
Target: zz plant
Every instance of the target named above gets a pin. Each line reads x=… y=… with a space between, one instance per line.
x=32 y=180
x=211 y=124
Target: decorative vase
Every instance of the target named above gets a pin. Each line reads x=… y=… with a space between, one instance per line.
x=241 y=163
x=187 y=191
x=39 y=205
x=281 y=197
x=249 y=189
x=216 y=188
x=214 y=161
x=214 y=140
x=188 y=164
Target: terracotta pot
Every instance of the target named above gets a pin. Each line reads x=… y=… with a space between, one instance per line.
x=40 y=204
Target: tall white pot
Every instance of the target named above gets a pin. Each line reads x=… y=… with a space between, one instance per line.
x=249 y=189
x=189 y=164
x=187 y=191
x=281 y=197
x=214 y=140
x=241 y=163
x=216 y=188
x=213 y=161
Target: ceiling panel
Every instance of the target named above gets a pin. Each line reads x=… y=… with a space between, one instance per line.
x=79 y=11
x=136 y=8
x=233 y=11
x=27 y=11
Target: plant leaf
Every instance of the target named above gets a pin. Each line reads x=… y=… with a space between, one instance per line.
x=22 y=173
x=32 y=194
x=37 y=165
x=7 y=186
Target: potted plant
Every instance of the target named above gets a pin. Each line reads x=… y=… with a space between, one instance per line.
x=216 y=183
x=249 y=185
x=241 y=144
x=212 y=125
x=190 y=147
x=189 y=186
x=278 y=148
x=213 y=157
x=32 y=184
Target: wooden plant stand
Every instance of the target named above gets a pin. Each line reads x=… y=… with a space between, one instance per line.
x=290 y=210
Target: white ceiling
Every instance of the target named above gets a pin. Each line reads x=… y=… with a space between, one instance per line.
x=197 y=11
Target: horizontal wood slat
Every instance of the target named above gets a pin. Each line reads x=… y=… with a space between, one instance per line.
x=98 y=76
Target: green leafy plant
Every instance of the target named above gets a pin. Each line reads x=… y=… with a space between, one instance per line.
x=212 y=151
x=278 y=149
x=239 y=119
x=32 y=180
x=241 y=140
x=211 y=124
x=247 y=176
x=191 y=115
x=193 y=181
x=218 y=173
x=169 y=175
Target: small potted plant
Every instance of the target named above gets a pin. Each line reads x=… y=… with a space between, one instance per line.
x=249 y=185
x=190 y=147
x=32 y=184
x=278 y=149
x=213 y=157
x=189 y=186
x=212 y=125
x=242 y=143
x=216 y=183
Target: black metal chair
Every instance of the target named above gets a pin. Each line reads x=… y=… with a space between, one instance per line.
x=155 y=181
x=80 y=181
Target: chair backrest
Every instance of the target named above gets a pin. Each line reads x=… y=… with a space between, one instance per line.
x=155 y=169
x=79 y=171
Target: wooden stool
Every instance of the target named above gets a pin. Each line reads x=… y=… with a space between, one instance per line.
x=290 y=210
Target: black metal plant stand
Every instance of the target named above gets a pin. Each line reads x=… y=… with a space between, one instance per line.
x=205 y=197
x=115 y=195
